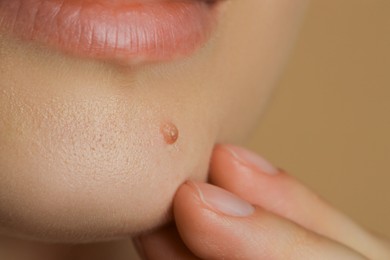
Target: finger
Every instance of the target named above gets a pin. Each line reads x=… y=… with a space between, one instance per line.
x=254 y=179
x=215 y=224
x=164 y=243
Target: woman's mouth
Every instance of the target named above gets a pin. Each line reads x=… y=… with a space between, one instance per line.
x=125 y=31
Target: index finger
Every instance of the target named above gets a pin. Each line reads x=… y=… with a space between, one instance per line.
x=257 y=181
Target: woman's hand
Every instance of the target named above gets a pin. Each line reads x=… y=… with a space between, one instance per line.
x=271 y=216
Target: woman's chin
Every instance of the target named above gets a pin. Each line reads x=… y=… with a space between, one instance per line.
x=94 y=170
x=96 y=197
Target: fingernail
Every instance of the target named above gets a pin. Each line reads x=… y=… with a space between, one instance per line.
x=221 y=200
x=249 y=158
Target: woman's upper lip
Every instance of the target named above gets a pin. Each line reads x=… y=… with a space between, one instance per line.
x=125 y=31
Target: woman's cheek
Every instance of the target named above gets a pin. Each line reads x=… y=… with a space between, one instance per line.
x=93 y=167
x=91 y=152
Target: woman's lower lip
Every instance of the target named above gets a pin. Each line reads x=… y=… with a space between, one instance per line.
x=125 y=31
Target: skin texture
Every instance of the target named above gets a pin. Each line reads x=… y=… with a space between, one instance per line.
x=82 y=154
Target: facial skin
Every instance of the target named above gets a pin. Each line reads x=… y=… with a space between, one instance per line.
x=83 y=156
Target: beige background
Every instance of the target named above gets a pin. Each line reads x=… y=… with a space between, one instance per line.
x=329 y=121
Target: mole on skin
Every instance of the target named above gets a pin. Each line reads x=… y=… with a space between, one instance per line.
x=169 y=132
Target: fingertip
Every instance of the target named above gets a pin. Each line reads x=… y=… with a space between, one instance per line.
x=209 y=218
x=185 y=199
x=187 y=209
x=227 y=156
x=189 y=217
x=252 y=160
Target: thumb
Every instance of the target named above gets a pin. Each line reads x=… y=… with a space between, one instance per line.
x=215 y=224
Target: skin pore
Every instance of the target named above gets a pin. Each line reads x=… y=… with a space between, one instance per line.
x=93 y=151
